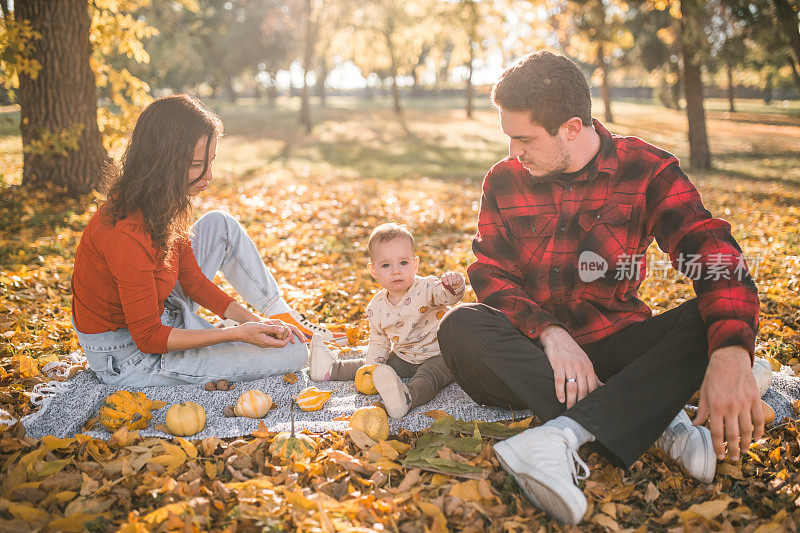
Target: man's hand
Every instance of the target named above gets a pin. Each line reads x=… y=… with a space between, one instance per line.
x=729 y=399
x=573 y=371
x=452 y=281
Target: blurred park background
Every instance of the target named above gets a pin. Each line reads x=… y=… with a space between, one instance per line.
x=75 y=74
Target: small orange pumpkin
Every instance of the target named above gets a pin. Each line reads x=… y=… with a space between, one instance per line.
x=372 y=421
x=253 y=404
x=287 y=445
x=768 y=411
x=364 y=382
x=312 y=399
x=184 y=419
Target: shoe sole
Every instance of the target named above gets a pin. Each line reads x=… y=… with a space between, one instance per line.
x=536 y=489
x=390 y=393
x=710 y=466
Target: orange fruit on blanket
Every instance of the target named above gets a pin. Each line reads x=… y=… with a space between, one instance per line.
x=364 y=382
x=312 y=399
x=184 y=419
x=372 y=421
x=768 y=411
x=253 y=404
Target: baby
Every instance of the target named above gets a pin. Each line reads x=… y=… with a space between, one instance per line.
x=403 y=319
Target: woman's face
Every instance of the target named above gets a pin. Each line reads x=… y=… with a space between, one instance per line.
x=199 y=163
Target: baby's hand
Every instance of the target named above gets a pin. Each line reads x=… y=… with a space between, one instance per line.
x=452 y=281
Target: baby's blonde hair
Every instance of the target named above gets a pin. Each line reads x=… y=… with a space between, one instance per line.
x=387 y=232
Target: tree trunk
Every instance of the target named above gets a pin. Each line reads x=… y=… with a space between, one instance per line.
x=229 y=89
x=470 y=67
x=675 y=90
x=731 y=96
x=605 y=86
x=787 y=21
x=415 y=86
x=398 y=110
x=699 y=152
x=321 y=82
x=414 y=82
x=272 y=89
x=795 y=74
x=305 y=108
x=768 y=89
x=61 y=101
x=393 y=74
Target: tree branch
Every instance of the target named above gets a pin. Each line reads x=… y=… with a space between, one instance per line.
x=6 y=14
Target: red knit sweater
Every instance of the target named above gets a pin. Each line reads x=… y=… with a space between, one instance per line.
x=119 y=282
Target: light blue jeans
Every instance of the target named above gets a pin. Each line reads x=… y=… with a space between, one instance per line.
x=219 y=243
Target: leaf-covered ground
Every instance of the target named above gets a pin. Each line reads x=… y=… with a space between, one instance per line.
x=309 y=202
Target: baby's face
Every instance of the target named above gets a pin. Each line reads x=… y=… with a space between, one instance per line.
x=394 y=265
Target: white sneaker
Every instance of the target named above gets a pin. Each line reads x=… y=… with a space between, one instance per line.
x=393 y=391
x=310 y=329
x=320 y=360
x=542 y=460
x=762 y=371
x=690 y=446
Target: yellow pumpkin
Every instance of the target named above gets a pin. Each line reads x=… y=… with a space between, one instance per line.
x=253 y=404
x=364 y=382
x=125 y=407
x=287 y=445
x=312 y=399
x=187 y=418
x=768 y=411
x=372 y=421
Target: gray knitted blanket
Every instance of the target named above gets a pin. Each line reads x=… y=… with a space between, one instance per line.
x=65 y=413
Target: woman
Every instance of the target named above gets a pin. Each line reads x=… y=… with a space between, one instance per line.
x=141 y=273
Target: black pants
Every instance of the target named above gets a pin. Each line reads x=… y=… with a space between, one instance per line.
x=649 y=370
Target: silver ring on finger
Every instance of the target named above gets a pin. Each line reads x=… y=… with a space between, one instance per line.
x=572 y=380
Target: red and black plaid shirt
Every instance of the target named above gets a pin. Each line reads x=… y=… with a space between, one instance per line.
x=571 y=251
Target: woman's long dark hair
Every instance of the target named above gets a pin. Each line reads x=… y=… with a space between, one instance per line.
x=154 y=173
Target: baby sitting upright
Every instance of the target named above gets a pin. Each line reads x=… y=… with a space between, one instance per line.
x=403 y=317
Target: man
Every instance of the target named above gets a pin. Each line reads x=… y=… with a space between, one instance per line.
x=563 y=227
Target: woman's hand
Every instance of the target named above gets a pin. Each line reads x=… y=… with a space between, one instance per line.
x=263 y=334
x=573 y=371
x=292 y=328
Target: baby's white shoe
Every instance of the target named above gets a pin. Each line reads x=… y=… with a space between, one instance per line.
x=762 y=371
x=393 y=391
x=320 y=360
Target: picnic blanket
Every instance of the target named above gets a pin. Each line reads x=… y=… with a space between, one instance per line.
x=66 y=412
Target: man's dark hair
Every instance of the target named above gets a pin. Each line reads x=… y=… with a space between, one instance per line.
x=549 y=86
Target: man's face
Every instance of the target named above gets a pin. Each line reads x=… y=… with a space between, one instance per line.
x=542 y=154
